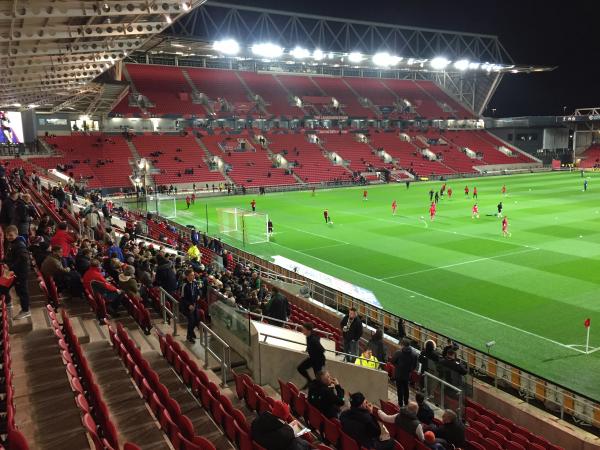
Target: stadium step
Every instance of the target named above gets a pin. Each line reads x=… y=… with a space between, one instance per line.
x=190 y=406
x=128 y=409
x=45 y=411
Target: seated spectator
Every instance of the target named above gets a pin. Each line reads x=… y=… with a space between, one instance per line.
x=358 y=423
x=128 y=283
x=367 y=359
x=165 y=275
x=431 y=442
x=52 y=268
x=64 y=239
x=114 y=251
x=39 y=249
x=452 y=430
x=271 y=431
x=82 y=260
x=406 y=419
x=326 y=394
x=94 y=282
x=425 y=413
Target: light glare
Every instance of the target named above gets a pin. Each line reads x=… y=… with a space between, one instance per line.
x=385 y=59
x=318 y=55
x=439 y=63
x=227 y=46
x=355 y=57
x=462 y=64
x=300 y=53
x=267 y=50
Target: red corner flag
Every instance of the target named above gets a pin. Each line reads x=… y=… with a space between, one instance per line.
x=587 y=322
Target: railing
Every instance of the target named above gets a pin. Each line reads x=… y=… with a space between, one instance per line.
x=444 y=394
x=533 y=389
x=262 y=317
x=169 y=316
x=336 y=353
x=224 y=359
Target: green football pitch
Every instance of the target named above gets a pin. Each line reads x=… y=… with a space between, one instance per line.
x=529 y=292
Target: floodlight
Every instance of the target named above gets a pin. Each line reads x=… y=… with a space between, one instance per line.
x=355 y=57
x=410 y=61
x=473 y=66
x=439 y=63
x=168 y=18
x=33 y=106
x=227 y=46
x=17 y=105
x=300 y=53
x=318 y=55
x=330 y=55
x=267 y=50
x=461 y=64
x=385 y=59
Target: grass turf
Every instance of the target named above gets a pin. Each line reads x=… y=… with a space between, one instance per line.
x=458 y=276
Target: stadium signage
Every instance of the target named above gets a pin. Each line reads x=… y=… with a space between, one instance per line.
x=331 y=117
x=586 y=118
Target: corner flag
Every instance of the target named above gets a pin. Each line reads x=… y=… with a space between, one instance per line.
x=587 y=324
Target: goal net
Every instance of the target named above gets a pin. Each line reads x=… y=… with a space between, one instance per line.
x=246 y=226
x=162 y=205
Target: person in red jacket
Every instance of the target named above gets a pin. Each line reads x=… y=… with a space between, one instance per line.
x=62 y=238
x=94 y=282
x=188 y=200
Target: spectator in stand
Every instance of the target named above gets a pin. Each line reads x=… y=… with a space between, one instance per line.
x=128 y=283
x=114 y=251
x=165 y=275
x=425 y=413
x=195 y=237
x=431 y=442
x=8 y=208
x=452 y=369
x=452 y=431
x=406 y=419
x=352 y=329
x=326 y=394
x=44 y=228
x=405 y=362
x=16 y=257
x=429 y=357
x=271 y=430
x=24 y=213
x=39 y=249
x=358 y=423
x=190 y=296
x=65 y=240
x=94 y=282
x=83 y=260
x=52 y=268
x=367 y=359
x=278 y=308
x=316 y=353
x=378 y=347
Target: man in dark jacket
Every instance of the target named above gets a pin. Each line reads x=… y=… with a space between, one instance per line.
x=452 y=430
x=271 y=431
x=326 y=394
x=82 y=261
x=352 y=329
x=165 y=275
x=425 y=413
x=8 y=208
x=452 y=369
x=359 y=423
x=16 y=257
x=190 y=294
x=24 y=213
x=406 y=419
x=316 y=353
x=404 y=361
x=278 y=307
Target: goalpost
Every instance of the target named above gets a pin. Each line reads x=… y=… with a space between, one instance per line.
x=163 y=205
x=247 y=226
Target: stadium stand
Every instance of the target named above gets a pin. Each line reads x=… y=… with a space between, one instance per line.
x=361 y=157
x=275 y=96
x=591 y=157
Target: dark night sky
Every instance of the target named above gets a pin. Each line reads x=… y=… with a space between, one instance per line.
x=548 y=33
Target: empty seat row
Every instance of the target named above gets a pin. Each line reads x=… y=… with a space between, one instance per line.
x=177 y=426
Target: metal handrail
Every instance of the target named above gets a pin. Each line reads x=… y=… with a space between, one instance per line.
x=166 y=312
x=291 y=324
x=225 y=360
x=335 y=352
x=428 y=377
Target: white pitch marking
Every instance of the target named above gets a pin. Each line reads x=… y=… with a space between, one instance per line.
x=460 y=263
x=324 y=246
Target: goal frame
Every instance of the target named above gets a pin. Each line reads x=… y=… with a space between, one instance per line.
x=242 y=227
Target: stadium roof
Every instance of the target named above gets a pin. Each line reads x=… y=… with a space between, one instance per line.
x=50 y=51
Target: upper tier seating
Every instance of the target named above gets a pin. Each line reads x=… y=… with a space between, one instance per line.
x=272 y=93
x=359 y=154
x=424 y=105
x=164 y=86
x=373 y=89
x=107 y=158
x=591 y=157
x=460 y=112
x=313 y=166
x=172 y=170
x=337 y=88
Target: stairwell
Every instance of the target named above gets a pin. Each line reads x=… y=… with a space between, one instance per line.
x=132 y=87
x=364 y=101
x=272 y=157
x=323 y=93
x=209 y=156
x=433 y=98
x=196 y=93
x=289 y=93
x=252 y=96
x=325 y=152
